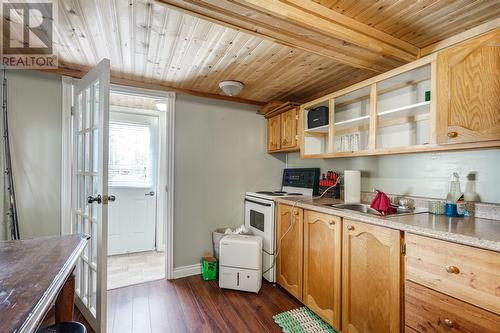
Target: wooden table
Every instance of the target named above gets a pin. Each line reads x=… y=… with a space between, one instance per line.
x=33 y=275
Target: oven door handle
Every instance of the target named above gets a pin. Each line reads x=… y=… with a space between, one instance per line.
x=258 y=203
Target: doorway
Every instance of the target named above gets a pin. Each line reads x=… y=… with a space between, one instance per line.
x=135 y=230
x=135 y=254
x=85 y=191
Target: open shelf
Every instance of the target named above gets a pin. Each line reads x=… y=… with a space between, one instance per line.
x=354 y=122
x=404 y=108
x=319 y=129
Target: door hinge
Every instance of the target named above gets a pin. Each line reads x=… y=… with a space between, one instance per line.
x=297 y=137
x=296 y=117
x=403 y=248
x=166 y=189
x=72 y=109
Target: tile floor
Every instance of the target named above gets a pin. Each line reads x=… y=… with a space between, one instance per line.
x=133 y=268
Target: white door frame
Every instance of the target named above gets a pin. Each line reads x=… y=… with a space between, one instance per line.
x=165 y=199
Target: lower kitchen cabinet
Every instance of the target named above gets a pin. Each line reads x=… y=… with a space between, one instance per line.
x=427 y=310
x=290 y=237
x=371 y=278
x=322 y=265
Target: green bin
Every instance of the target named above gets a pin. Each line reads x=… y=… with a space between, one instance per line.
x=209 y=268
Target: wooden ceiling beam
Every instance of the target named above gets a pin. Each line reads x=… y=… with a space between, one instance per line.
x=308 y=26
x=78 y=71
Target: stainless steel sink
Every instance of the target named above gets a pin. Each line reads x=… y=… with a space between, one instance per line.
x=366 y=209
x=362 y=208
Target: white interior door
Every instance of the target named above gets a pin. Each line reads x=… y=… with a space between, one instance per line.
x=90 y=190
x=133 y=165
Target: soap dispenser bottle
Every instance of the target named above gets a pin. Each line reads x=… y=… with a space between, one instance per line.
x=455 y=192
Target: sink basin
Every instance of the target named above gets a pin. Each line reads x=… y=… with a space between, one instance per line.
x=362 y=208
x=366 y=209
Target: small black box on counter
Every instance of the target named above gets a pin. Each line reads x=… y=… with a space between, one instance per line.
x=317 y=117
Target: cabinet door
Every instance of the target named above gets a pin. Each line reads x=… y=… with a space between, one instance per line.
x=274 y=133
x=289 y=129
x=371 y=278
x=290 y=249
x=468 y=91
x=322 y=265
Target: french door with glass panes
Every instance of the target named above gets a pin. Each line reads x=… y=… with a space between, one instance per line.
x=90 y=190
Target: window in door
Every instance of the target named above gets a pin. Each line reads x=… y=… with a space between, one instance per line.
x=130 y=164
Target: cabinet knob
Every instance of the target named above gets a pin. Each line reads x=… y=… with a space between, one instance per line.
x=350 y=227
x=448 y=323
x=331 y=222
x=295 y=212
x=452 y=269
x=284 y=141
x=452 y=134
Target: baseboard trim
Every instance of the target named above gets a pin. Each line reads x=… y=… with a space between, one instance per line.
x=183 y=271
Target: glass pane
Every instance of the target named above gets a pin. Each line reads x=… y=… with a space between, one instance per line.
x=96 y=102
x=85 y=284
x=352 y=121
x=79 y=110
x=130 y=155
x=95 y=192
x=95 y=150
x=80 y=152
x=88 y=192
x=403 y=109
x=77 y=276
x=81 y=194
x=93 y=292
x=86 y=229
x=88 y=106
x=94 y=226
x=87 y=152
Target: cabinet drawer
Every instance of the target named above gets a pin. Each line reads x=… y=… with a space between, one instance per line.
x=427 y=310
x=464 y=272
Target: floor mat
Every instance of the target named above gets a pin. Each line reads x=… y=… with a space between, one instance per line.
x=302 y=320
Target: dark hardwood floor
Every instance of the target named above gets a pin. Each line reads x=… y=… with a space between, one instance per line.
x=193 y=305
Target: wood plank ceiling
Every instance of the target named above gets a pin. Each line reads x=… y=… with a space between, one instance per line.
x=182 y=47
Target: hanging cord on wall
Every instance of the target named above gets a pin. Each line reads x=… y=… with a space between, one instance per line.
x=9 y=178
x=292 y=222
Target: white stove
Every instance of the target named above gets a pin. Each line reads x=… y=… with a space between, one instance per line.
x=260 y=211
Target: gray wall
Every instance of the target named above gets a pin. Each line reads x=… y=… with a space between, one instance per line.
x=219 y=155
x=426 y=174
x=35 y=126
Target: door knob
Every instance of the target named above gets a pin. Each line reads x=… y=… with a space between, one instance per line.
x=92 y=199
x=111 y=198
x=151 y=194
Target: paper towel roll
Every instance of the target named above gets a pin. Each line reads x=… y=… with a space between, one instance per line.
x=352 y=186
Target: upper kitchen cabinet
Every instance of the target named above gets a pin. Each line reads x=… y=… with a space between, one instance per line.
x=469 y=91
x=282 y=135
x=444 y=101
x=274 y=133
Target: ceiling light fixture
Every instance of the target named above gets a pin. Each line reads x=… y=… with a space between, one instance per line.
x=231 y=88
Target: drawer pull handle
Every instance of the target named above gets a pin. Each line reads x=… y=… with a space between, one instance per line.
x=452 y=269
x=452 y=134
x=350 y=228
x=448 y=323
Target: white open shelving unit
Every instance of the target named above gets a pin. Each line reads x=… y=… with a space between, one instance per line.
x=392 y=111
